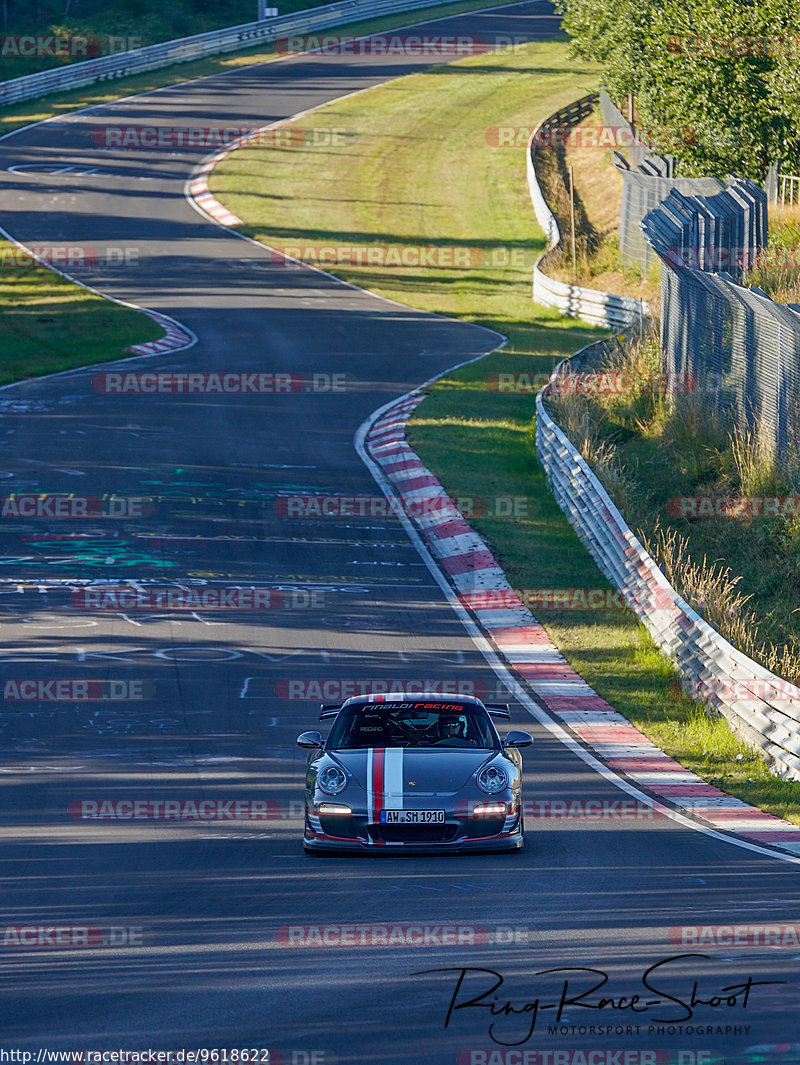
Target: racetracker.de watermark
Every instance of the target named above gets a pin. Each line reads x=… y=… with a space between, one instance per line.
x=609 y=137
x=64 y=45
x=586 y=1055
x=184 y=810
x=732 y=257
x=210 y=137
x=68 y=505
x=594 y=810
x=715 y=46
x=342 y=506
x=726 y=689
x=69 y=256
x=656 y=598
x=215 y=383
x=72 y=690
x=121 y=600
x=393 y=934
x=312 y=689
x=388 y=45
x=50 y=936
x=734 y=506
x=389 y=256
x=593 y=383
x=736 y=935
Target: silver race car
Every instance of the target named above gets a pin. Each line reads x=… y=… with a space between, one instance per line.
x=419 y=772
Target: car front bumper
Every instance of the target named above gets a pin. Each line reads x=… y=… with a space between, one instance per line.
x=355 y=836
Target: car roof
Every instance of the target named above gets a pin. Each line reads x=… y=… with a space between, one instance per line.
x=411 y=697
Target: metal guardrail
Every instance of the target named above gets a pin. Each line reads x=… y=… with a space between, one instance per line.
x=762 y=708
x=187 y=49
x=590 y=305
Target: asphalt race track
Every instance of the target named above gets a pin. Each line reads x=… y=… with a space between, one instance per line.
x=193 y=935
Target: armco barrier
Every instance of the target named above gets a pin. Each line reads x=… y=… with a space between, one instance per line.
x=186 y=49
x=590 y=305
x=762 y=708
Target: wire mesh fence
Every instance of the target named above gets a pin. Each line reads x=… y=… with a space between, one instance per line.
x=762 y=707
x=647 y=179
x=742 y=346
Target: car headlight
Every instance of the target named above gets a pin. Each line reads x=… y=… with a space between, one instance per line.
x=331 y=780
x=492 y=778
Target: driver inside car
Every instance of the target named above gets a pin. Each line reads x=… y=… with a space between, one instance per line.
x=453 y=732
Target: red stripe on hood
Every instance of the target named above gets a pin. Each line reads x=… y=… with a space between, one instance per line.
x=377 y=783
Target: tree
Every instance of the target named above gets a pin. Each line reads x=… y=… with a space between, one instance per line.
x=720 y=76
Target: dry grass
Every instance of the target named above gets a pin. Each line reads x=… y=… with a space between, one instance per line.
x=598 y=183
x=778 y=271
x=698 y=451
x=757 y=472
x=554 y=181
x=710 y=588
x=578 y=419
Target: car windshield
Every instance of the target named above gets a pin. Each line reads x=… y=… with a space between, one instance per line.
x=413 y=724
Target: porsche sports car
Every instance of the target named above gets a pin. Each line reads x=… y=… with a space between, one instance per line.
x=419 y=772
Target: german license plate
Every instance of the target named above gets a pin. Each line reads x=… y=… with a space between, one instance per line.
x=412 y=817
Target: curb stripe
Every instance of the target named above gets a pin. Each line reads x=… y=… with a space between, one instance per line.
x=526 y=647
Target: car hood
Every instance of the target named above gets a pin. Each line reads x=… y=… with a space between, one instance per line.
x=434 y=770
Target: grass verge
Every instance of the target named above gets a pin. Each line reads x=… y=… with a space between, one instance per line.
x=51 y=324
x=419 y=171
x=417 y=151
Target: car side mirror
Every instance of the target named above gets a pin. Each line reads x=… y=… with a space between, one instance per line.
x=313 y=740
x=517 y=739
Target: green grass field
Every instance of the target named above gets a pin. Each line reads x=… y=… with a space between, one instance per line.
x=416 y=153
x=51 y=324
x=417 y=171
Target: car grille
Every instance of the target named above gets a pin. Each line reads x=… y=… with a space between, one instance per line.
x=412 y=833
x=343 y=827
x=484 y=827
